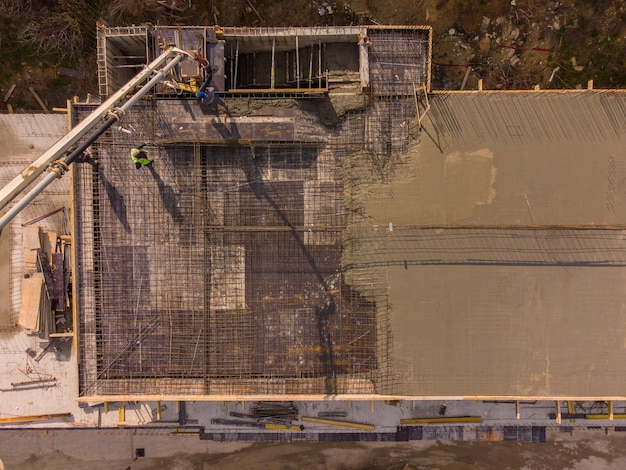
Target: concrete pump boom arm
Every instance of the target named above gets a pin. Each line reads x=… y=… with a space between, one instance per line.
x=105 y=110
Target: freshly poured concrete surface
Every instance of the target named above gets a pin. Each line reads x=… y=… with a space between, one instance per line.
x=509 y=330
x=487 y=321
x=461 y=174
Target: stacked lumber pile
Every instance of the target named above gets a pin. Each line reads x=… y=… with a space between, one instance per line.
x=43 y=287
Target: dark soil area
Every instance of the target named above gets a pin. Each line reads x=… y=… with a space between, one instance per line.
x=510 y=44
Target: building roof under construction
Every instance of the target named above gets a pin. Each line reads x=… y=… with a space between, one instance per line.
x=343 y=234
x=217 y=271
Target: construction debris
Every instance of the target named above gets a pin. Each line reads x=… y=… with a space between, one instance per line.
x=575 y=66
x=284 y=411
x=32 y=245
x=44 y=299
x=51 y=344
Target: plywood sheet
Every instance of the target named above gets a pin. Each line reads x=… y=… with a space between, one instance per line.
x=32 y=289
x=32 y=237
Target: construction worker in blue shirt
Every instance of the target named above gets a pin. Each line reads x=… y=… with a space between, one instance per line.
x=140 y=156
x=206 y=93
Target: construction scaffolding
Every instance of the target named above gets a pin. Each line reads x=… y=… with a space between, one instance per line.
x=220 y=269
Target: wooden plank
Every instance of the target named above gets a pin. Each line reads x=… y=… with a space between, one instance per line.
x=30 y=260
x=467 y=72
x=8 y=94
x=32 y=237
x=69 y=334
x=49 y=243
x=557 y=404
x=39 y=100
x=334 y=422
x=284 y=427
x=607 y=416
x=26 y=419
x=570 y=409
x=441 y=420
x=122 y=412
x=31 y=299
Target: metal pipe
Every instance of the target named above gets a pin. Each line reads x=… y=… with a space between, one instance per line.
x=236 y=65
x=273 y=73
x=319 y=63
x=232 y=69
x=43 y=216
x=311 y=67
x=59 y=169
x=297 y=64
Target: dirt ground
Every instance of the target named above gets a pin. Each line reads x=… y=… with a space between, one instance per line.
x=509 y=44
x=581 y=450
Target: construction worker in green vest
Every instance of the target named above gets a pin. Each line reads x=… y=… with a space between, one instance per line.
x=140 y=156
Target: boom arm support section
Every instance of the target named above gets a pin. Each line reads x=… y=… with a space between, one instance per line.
x=26 y=177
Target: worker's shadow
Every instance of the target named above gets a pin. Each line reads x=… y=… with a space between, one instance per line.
x=325 y=312
x=115 y=199
x=433 y=136
x=226 y=126
x=254 y=177
x=168 y=196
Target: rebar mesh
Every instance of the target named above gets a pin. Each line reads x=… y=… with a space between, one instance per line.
x=398 y=61
x=219 y=264
x=225 y=268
